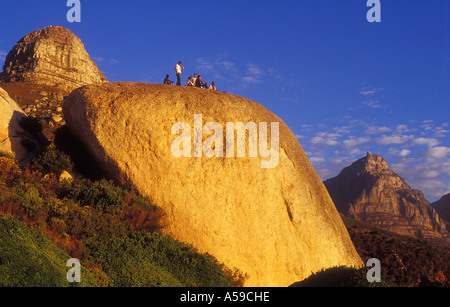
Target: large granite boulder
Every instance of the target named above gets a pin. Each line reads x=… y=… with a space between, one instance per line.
x=266 y=213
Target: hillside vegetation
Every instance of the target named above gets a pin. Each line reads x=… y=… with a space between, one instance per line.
x=28 y=259
x=115 y=233
x=405 y=261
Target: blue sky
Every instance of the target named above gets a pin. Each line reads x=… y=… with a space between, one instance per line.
x=343 y=85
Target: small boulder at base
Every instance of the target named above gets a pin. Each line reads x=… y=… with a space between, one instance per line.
x=276 y=223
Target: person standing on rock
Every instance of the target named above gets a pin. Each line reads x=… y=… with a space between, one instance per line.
x=179 y=69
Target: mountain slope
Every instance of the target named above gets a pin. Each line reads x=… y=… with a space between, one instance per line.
x=368 y=190
x=442 y=207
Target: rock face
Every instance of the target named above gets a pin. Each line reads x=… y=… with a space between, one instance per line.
x=369 y=191
x=53 y=57
x=42 y=68
x=277 y=225
x=13 y=138
x=442 y=207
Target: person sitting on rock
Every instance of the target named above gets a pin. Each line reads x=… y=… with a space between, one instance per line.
x=190 y=82
x=213 y=86
x=167 y=80
x=199 y=82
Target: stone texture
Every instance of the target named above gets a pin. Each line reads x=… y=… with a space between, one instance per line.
x=370 y=191
x=276 y=225
x=13 y=138
x=442 y=207
x=43 y=68
x=53 y=57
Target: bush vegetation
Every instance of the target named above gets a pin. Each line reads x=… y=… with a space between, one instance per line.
x=114 y=232
x=341 y=276
x=28 y=259
x=405 y=261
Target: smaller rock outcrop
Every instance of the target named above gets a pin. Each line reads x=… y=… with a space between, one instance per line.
x=43 y=68
x=15 y=138
x=53 y=57
x=370 y=191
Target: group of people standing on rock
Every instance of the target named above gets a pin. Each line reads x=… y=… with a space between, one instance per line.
x=195 y=81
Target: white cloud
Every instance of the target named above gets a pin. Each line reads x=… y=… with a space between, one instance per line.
x=430 y=142
x=103 y=60
x=204 y=65
x=250 y=79
x=369 y=91
x=316 y=159
x=254 y=70
x=373 y=104
x=437 y=152
x=254 y=74
x=355 y=141
x=404 y=153
x=394 y=139
x=325 y=141
x=3 y=55
x=377 y=130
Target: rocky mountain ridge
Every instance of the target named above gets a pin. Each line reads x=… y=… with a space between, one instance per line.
x=368 y=190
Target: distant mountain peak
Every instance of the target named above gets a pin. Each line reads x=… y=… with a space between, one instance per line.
x=369 y=164
x=368 y=190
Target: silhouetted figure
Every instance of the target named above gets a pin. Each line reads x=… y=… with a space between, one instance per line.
x=199 y=82
x=167 y=80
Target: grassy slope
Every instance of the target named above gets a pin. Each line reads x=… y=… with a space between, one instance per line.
x=28 y=259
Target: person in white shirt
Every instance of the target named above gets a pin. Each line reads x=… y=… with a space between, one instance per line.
x=179 y=69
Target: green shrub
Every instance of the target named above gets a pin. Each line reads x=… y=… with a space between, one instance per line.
x=30 y=198
x=28 y=259
x=101 y=195
x=145 y=259
x=53 y=161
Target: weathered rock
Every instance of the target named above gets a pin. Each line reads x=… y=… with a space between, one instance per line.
x=370 y=191
x=442 y=207
x=13 y=138
x=278 y=225
x=53 y=57
x=65 y=175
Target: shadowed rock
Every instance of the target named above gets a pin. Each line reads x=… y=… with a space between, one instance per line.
x=13 y=137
